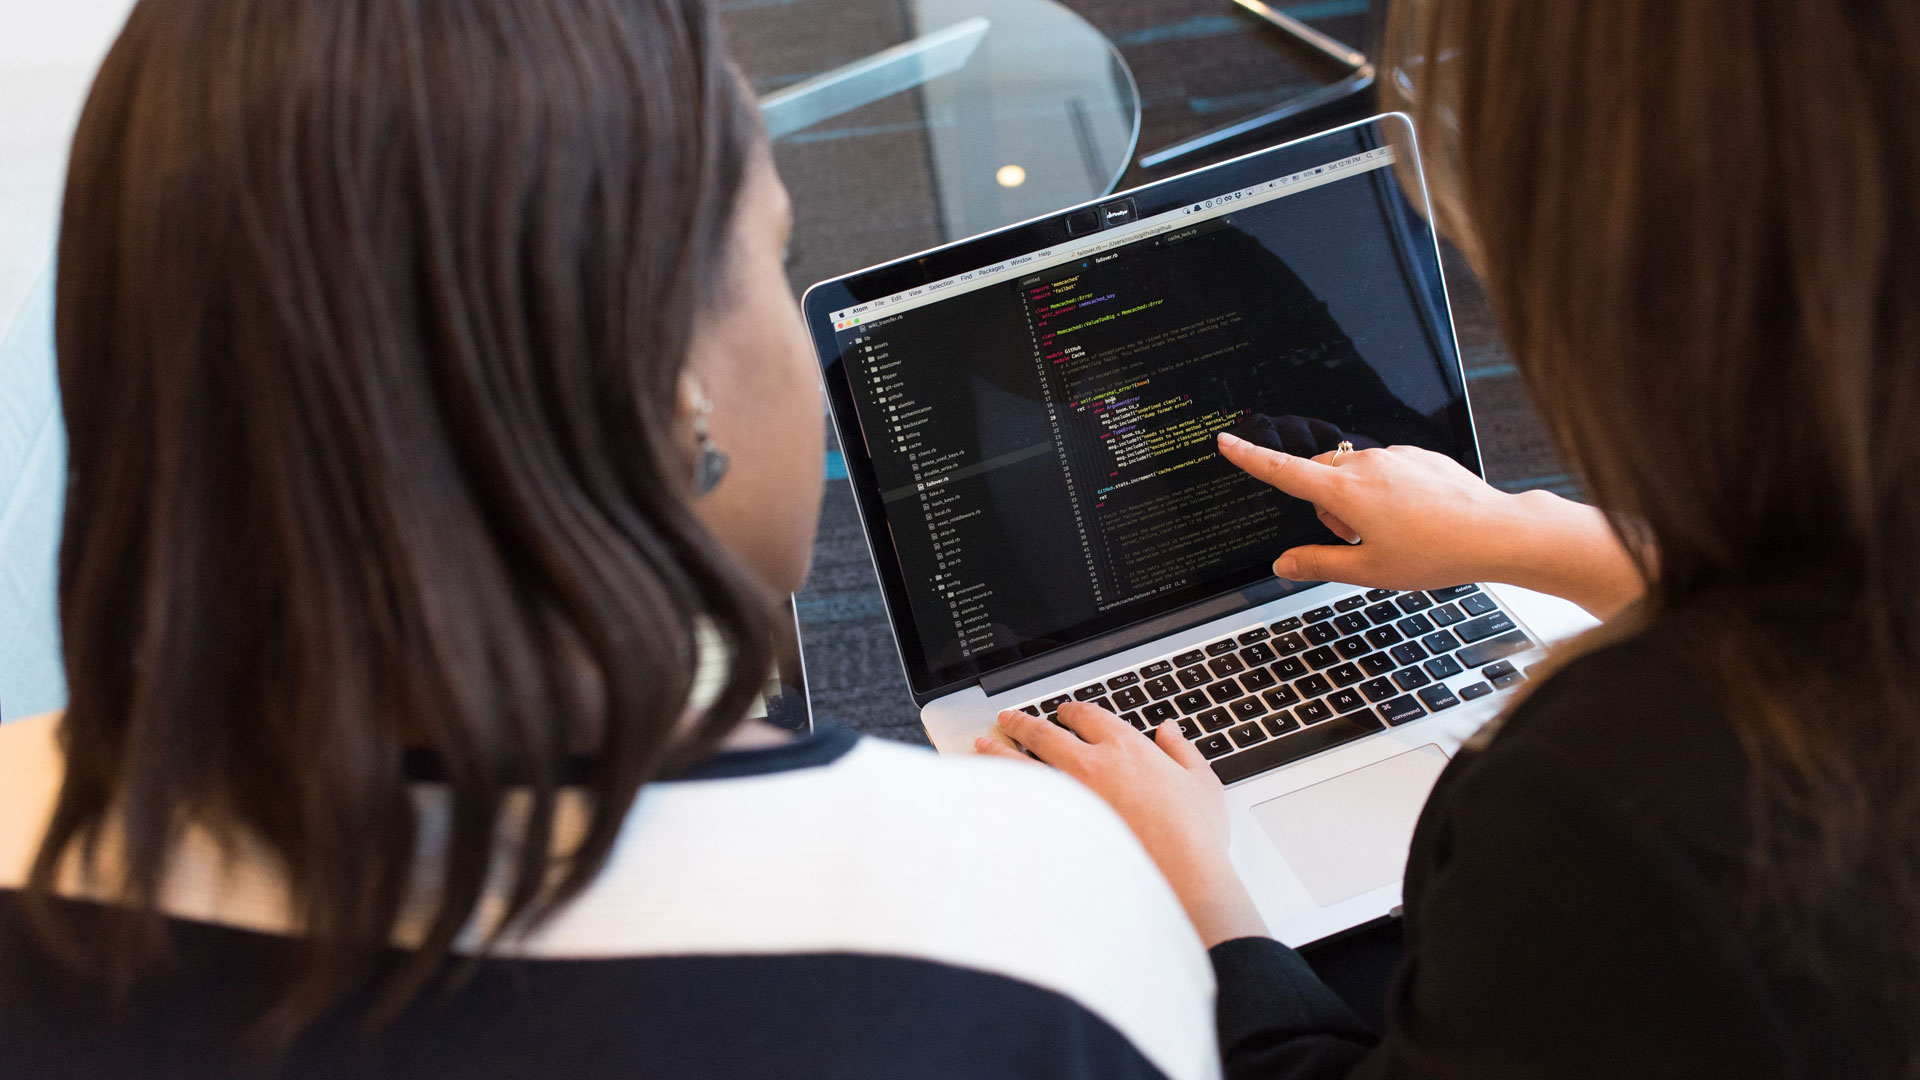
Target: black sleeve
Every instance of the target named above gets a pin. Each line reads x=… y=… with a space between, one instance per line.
x=1554 y=935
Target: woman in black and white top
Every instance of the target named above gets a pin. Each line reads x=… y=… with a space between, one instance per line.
x=437 y=411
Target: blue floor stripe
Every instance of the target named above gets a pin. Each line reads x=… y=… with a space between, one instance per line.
x=1491 y=371
x=1529 y=482
x=836 y=465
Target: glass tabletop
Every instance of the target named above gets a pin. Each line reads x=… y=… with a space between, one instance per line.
x=902 y=124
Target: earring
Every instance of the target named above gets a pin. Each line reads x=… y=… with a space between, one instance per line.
x=711 y=467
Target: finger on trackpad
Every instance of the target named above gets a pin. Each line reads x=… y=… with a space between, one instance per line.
x=1349 y=834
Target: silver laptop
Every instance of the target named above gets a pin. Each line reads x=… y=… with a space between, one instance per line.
x=1029 y=422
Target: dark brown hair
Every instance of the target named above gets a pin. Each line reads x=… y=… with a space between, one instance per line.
x=1697 y=221
x=371 y=316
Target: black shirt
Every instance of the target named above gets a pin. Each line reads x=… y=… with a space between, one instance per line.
x=1577 y=904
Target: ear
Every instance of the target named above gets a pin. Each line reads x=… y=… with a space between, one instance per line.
x=692 y=394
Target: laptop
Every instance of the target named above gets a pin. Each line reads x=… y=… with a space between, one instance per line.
x=1029 y=419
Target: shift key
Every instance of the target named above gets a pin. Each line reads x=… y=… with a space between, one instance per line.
x=1486 y=652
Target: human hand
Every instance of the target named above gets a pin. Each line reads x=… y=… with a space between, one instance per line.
x=1414 y=519
x=1166 y=793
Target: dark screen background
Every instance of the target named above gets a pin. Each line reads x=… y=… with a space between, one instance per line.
x=1045 y=446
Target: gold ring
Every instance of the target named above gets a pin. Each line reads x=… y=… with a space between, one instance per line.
x=1345 y=447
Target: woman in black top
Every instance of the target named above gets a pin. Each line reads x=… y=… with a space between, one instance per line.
x=1694 y=849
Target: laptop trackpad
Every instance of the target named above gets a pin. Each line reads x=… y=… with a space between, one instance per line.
x=1349 y=834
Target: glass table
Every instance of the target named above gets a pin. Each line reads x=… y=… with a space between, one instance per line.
x=910 y=123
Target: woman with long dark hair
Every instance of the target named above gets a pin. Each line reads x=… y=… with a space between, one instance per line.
x=442 y=438
x=1694 y=849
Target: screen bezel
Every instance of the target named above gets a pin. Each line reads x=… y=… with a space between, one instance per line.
x=926 y=683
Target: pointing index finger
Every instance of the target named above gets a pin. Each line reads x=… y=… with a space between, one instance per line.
x=1297 y=476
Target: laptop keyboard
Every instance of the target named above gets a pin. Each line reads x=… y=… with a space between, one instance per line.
x=1272 y=694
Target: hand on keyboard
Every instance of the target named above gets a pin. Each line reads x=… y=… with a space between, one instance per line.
x=1165 y=791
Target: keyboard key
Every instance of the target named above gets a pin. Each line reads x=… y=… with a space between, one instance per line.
x=1319 y=614
x=1440 y=641
x=1452 y=592
x=1485 y=626
x=1295 y=745
x=1377 y=664
x=1214 y=719
x=1286 y=626
x=1443 y=667
x=1258 y=653
x=1378 y=689
x=1223 y=666
x=1224 y=691
x=1221 y=648
x=1493 y=649
x=1345 y=675
x=1214 y=746
x=1258 y=679
x=1129 y=697
x=1188 y=658
x=1191 y=702
x=1190 y=728
x=1381 y=637
x=1412 y=602
x=1088 y=693
x=1436 y=698
x=1279 y=723
x=1475 y=690
x=1194 y=676
x=1505 y=681
x=1280 y=697
x=1053 y=704
x=1411 y=679
x=1290 y=645
x=1134 y=719
x=1248 y=637
x=1350 y=603
x=1162 y=687
x=1320 y=633
x=1102 y=703
x=1352 y=623
x=1343 y=701
x=1382 y=614
x=1247 y=708
x=1125 y=678
x=1478 y=604
x=1247 y=734
x=1374 y=595
x=1157 y=669
x=1159 y=712
x=1401 y=709
x=1313 y=712
x=1494 y=671
x=1289 y=668
x=1352 y=648
x=1415 y=625
x=1030 y=710
x=1407 y=653
x=1445 y=615
x=1313 y=686
x=1321 y=658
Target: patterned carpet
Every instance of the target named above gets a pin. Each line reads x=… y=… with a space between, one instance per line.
x=861 y=197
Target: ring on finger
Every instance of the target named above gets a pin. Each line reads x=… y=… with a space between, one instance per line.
x=1345 y=447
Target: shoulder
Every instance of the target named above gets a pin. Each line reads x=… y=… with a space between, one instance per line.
x=998 y=867
x=31 y=770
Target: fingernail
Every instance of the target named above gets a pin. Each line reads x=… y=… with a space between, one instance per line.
x=983 y=743
x=1227 y=439
x=1286 y=566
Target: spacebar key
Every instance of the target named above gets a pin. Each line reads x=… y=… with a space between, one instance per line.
x=1277 y=752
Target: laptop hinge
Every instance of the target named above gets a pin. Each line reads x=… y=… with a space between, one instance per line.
x=1139 y=633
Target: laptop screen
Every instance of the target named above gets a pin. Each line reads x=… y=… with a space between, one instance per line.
x=1039 y=433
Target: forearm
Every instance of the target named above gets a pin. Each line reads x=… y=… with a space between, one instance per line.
x=1566 y=549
